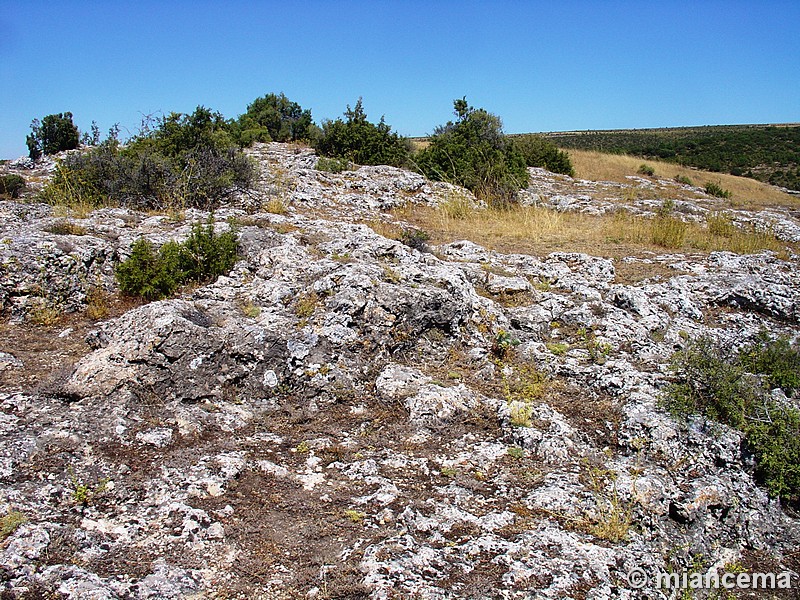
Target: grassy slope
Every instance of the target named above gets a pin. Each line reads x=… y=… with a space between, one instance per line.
x=539 y=231
x=769 y=153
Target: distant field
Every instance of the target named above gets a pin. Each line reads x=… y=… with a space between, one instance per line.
x=768 y=153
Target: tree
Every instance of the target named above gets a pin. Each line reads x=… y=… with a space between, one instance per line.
x=53 y=134
x=364 y=143
x=474 y=152
x=275 y=118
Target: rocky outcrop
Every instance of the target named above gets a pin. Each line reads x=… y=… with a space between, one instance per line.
x=343 y=415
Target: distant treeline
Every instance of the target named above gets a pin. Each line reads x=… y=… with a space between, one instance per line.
x=768 y=153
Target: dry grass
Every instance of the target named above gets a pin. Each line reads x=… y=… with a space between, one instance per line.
x=746 y=193
x=539 y=231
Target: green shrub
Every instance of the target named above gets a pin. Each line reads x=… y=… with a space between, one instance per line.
x=416 y=238
x=332 y=165
x=714 y=189
x=153 y=275
x=646 y=170
x=725 y=386
x=540 y=152
x=274 y=118
x=182 y=161
x=778 y=360
x=357 y=140
x=473 y=152
x=52 y=134
x=684 y=180
x=11 y=185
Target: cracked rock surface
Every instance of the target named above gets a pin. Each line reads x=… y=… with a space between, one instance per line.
x=345 y=416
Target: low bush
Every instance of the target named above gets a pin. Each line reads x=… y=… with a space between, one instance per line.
x=683 y=179
x=182 y=161
x=473 y=152
x=152 y=274
x=416 y=238
x=540 y=152
x=714 y=189
x=332 y=165
x=730 y=388
x=646 y=170
x=11 y=185
x=357 y=140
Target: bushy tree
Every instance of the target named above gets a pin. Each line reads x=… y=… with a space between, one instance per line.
x=540 y=152
x=275 y=118
x=364 y=143
x=474 y=152
x=176 y=161
x=52 y=134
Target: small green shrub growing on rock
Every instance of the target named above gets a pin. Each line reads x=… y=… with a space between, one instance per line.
x=714 y=189
x=332 y=165
x=152 y=274
x=645 y=169
x=729 y=387
x=11 y=185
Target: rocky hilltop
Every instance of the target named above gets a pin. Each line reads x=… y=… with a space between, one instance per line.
x=345 y=415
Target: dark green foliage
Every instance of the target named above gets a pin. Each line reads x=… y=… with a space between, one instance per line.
x=202 y=257
x=148 y=274
x=646 y=170
x=474 y=152
x=275 y=118
x=540 y=152
x=357 y=140
x=182 y=161
x=11 y=185
x=778 y=360
x=416 y=238
x=728 y=387
x=332 y=165
x=776 y=444
x=709 y=383
x=684 y=180
x=206 y=255
x=53 y=134
x=767 y=153
x=716 y=190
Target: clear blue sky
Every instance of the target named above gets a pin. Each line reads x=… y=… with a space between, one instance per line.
x=541 y=66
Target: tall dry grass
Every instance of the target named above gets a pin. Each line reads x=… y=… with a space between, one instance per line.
x=540 y=230
x=746 y=193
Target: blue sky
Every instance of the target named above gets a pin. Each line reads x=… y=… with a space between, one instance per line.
x=541 y=66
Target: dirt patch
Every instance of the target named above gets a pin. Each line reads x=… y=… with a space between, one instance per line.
x=48 y=352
